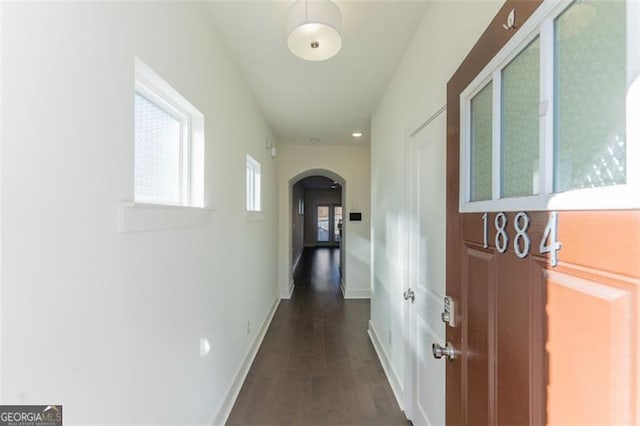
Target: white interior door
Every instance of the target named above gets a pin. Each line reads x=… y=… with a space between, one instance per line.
x=426 y=375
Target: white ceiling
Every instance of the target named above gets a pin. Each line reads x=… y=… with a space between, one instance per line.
x=325 y=100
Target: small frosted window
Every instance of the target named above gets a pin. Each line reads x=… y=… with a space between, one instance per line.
x=253 y=185
x=590 y=81
x=168 y=141
x=157 y=153
x=520 y=123
x=481 y=138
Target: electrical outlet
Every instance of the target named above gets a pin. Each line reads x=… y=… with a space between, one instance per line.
x=248 y=327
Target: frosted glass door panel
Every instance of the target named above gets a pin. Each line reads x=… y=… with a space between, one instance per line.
x=520 y=124
x=157 y=154
x=481 y=138
x=590 y=87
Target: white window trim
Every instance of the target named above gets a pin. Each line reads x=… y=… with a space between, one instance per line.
x=540 y=23
x=142 y=217
x=151 y=86
x=253 y=200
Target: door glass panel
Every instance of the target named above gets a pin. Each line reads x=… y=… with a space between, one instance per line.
x=590 y=86
x=323 y=224
x=520 y=124
x=481 y=137
x=337 y=222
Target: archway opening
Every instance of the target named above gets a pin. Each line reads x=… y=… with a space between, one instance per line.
x=317 y=204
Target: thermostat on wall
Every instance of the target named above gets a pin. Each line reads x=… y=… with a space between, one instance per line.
x=355 y=216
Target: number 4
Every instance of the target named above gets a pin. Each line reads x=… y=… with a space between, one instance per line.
x=551 y=234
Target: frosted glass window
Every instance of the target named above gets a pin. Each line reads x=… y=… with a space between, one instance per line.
x=520 y=124
x=481 y=138
x=253 y=184
x=590 y=87
x=157 y=153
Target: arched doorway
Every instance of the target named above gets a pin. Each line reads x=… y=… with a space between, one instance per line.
x=323 y=213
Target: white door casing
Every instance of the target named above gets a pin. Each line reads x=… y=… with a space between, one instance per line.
x=424 y=375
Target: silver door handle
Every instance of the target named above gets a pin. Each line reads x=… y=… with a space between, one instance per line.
x=409 y=294
x=447 y=351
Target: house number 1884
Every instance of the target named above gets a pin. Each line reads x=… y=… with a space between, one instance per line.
x=522 y=241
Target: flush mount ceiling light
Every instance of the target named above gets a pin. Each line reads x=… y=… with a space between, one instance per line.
x=314 y=29
x=356 y=134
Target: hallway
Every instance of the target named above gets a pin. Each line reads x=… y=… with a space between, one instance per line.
x=316 y=364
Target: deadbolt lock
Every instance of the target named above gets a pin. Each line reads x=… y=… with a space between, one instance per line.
x=448 y=315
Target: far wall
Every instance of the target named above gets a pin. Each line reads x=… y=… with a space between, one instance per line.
x=351 y=163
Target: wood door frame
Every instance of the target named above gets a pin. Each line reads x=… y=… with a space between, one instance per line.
x=487 y=46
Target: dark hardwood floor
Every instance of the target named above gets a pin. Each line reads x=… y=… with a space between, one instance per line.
x=316 y=364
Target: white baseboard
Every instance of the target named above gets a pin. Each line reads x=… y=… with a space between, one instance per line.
x=288 y=292
x=392 y=377
x=356 y=294
x=222 y=414
x=353 y=294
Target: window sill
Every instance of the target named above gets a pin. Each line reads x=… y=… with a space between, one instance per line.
x=253 y=215
x=141 y=217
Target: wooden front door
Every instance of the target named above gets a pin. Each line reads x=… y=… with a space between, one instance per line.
x=539 y=341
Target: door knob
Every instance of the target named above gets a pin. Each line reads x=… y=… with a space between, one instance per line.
x=447 y=351
x=409 y=294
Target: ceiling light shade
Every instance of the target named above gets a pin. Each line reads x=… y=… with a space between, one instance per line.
x=314 y=28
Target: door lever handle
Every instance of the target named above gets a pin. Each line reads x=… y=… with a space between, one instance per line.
x=409 y=294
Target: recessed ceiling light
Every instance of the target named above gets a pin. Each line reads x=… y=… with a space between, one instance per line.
x=356 y=134
x=314 y=140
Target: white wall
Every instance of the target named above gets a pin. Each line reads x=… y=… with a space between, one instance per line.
x=352 y=164
x=106 y=323
x=416 y=91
